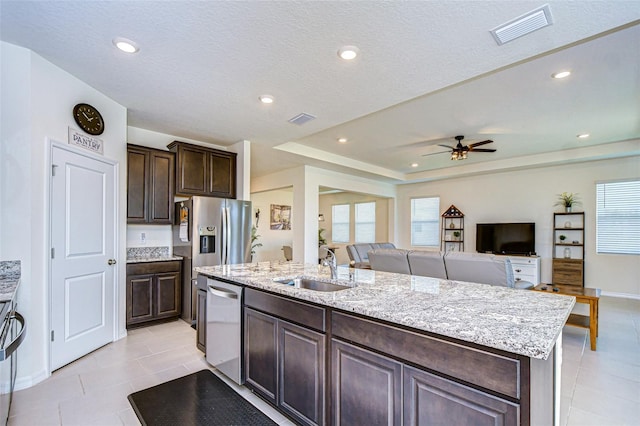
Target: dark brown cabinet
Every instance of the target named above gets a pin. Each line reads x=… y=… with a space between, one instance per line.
x=428 y=399
x=204 y=171
x=366 y=387
x=201 y=319
x=285 y=362
x=150 y=185
x=153 y=291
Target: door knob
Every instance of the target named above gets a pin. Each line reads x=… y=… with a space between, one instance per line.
x=112 y=262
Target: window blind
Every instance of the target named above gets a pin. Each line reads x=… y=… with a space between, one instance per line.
x=365 y=222
x=618 y=217
x=340 y=223
x=425 y=221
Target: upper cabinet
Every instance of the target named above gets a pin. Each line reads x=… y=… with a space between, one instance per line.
x=204 y=171
x=150 y=185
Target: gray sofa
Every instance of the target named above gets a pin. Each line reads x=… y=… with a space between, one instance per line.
x=359 y=253
x=458 y=266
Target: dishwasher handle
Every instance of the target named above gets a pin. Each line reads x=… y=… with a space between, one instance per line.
x=221 y=292
x=6 y=352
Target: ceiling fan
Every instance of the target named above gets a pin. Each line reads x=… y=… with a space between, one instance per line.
x=459 y=152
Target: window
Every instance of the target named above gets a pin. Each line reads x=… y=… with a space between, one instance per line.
x=366 y=222
x=340 y=223
x=425 y=221
x=618 y=217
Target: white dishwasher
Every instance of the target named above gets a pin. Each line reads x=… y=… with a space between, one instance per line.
x=224 y=328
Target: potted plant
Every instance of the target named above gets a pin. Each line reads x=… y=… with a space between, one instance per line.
x=562 y=238
x=254 y=238
x=456 y=235
x=321 y=239
x=567 y=200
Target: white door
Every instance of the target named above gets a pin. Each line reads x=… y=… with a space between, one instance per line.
x=83 y=273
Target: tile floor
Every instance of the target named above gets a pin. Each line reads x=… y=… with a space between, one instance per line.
x=598 y=388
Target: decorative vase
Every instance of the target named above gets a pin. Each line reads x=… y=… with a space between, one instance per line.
x=567 y=253
x=567 y=209
x=567 y=224
x=451 y=225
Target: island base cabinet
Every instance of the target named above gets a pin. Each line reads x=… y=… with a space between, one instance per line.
x=428 y=399
x=284 y=364
x=261 y=353
x=301 y=390
x=366 y=387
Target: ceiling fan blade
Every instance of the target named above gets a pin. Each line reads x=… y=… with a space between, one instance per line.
x=482 y=150
x=471 y=145
x=446 y=146
x=434 y=153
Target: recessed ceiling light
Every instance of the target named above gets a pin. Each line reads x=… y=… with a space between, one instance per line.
x=125 y=45
x=348 y=52
x=561 y=74
x=266 y=99
x=414 y=164
x=342 y=140
x=583 y=135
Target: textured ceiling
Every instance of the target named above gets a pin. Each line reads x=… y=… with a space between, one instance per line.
x=427 y=71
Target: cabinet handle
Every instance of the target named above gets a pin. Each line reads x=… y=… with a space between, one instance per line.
x=518 y=270
x=518 y=279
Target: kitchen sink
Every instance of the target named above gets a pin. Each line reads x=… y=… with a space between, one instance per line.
x=311 y=284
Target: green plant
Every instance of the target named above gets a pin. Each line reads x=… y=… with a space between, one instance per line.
x=456 y=234
x=562 y=237
x=567 y=199
x=321 y=239
x=254 y=238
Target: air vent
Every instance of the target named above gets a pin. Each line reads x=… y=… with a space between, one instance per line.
x=523 y=25
x=301 y=118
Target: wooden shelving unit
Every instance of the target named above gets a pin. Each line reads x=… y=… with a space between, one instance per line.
x=568 y=253
x=452 y=225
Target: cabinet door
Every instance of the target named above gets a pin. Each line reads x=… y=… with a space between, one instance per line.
x=162 y=183
x=428 y=399
x=222 y=174
x=261 y=353
x=167 y=295
x=139 y=298
x=301 y=373
x=366 y=387
x=191 y=176
x=137 y=185
x=201 y=321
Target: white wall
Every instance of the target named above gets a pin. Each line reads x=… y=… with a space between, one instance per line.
x=37 y=101
x=272 y=240
x=529 y=196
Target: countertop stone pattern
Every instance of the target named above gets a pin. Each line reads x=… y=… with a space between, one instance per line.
x=10 y=273
x=519 y=321
x=149 y=254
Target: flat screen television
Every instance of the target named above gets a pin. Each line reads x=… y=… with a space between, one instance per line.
x=506 y=238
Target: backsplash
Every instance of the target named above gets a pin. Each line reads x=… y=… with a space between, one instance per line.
x=147 y=252
x=10 y=270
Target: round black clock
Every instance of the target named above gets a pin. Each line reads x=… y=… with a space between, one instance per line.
x=88 y=118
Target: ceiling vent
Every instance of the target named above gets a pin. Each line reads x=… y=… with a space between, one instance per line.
x=301 y=118
x=523 y=25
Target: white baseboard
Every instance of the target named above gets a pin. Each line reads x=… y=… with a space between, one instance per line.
x=34 y=379
x=621 y=295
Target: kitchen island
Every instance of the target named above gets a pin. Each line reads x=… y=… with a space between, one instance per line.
x=396 y=348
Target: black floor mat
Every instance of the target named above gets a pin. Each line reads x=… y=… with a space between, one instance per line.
x=197 y=399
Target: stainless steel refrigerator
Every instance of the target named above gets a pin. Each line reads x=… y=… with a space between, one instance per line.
x=209 y=231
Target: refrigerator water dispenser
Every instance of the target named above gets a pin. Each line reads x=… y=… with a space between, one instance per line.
x=207 y=239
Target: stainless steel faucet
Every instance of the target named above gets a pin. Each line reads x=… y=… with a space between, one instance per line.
x=331 y=263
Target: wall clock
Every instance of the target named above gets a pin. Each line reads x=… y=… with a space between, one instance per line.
x=89 y=119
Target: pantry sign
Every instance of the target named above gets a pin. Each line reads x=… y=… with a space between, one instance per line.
x=85 y=141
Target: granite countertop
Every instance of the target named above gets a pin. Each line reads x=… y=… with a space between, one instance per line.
x=519 y=321
x=150 y=254
x=9 y=279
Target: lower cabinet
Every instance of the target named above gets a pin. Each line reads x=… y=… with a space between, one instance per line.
x=366 y=387
x=153 y=291
x=285 y=364
x=201 y=320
